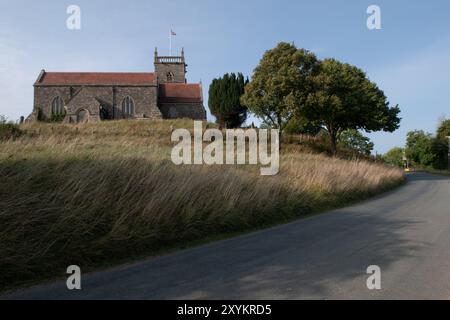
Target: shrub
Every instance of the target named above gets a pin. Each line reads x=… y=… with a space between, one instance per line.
x=58 y=117
x=8 y=130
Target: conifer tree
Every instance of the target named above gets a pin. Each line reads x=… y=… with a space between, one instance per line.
x=224 y=100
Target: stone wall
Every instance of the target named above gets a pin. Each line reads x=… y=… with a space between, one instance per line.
x=90 y=98
x=194 y=111
x=43 y=98
x=86 y=98
x=177 y=69
x=144 y=98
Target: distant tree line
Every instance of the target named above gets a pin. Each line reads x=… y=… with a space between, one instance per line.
x=293 y=91
x=424 y=149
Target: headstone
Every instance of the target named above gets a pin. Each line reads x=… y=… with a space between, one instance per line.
x=83 y=116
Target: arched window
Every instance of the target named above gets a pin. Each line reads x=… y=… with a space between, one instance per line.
x=57 y=106
x=128 y=106
x=169 y=77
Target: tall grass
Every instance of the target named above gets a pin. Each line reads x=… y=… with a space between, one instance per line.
x=97 y=194
x=8 y=130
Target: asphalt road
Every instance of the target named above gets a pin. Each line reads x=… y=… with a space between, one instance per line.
x=405 y=232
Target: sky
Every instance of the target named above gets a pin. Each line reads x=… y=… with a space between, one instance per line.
x=409 y=58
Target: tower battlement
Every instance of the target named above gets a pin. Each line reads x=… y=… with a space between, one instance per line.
x=169 y=60
x=170 y=69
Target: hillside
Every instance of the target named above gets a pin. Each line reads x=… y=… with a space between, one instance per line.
x=99 y=194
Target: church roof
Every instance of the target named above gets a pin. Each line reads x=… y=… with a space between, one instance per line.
x=180 y=93
x=95 y=78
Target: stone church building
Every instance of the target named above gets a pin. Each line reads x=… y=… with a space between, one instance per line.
x=88 y=97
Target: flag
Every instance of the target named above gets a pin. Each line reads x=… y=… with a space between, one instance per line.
x=172 y=33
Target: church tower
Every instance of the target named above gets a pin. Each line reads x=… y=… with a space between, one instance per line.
x=170 y=69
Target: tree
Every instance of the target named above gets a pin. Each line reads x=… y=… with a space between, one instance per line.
x=342 y=97
x=439 y=150
x=425 y=150
x=419 y=148
x=355 y=140
x=441 y=145
x=395 y=157
x=224 y=100
x=299 y=125
x=444 y=130
x=279 y=83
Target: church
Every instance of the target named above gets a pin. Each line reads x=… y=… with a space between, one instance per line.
x=76 y=97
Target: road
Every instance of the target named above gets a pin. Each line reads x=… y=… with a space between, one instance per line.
x=405 y=232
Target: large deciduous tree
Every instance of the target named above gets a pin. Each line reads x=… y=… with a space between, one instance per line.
x=224 y=100
x=279 y=83
x=300 y=125
x=342 y=98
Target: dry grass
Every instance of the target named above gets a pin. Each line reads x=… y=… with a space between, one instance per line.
x=97 y=194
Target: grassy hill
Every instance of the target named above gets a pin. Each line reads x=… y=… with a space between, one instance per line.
x=98 y=194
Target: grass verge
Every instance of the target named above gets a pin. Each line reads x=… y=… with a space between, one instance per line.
x=99 y=195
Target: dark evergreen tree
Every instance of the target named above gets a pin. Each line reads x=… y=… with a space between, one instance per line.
x=224 y=100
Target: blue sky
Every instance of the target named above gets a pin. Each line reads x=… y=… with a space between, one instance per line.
x=409 y=58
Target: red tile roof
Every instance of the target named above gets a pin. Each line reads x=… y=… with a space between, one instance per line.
x=180 y=93
x=96 y=78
